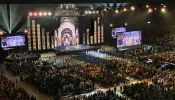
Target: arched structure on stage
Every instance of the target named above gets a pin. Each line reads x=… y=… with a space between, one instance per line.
x=67 y=34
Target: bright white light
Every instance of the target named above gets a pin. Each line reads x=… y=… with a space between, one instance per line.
x=90 y=12
x=164 y=6
x=1 y=32
x=125 y=9
x=147 y=6
x=40 y=13
x=93 y=12
x=148 y=22
x=49 y=13
x=104 y=9
x=116 y=11
x=25 y=31
x=149 y=10
x=86 y=12
x=132 y=8
x=111 y=25
x=45 y=13
x=163 y=10
x=97 y=12
x=126 y=24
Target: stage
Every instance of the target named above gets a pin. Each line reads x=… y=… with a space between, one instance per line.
x=78 y=48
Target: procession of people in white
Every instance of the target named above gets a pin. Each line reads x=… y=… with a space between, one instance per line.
x=97 y=54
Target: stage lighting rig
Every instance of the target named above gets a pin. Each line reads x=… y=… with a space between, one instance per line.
x=91 y=11
x=35 y=14
x=66 y=10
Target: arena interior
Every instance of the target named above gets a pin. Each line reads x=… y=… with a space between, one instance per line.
x=87 y=50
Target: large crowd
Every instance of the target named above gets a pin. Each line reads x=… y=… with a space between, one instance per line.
x=9 y=90
x=65 y=75
x=143 y=91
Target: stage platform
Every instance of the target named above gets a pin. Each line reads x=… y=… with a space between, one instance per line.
x=48 y=54
x=78 y=48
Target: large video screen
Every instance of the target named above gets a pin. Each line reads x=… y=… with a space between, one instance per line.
x=118 y=30
x=129 y=39
x=12 y=41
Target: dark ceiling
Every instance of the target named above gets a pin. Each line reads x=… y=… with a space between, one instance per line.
x=80 y=1
x=13 y=17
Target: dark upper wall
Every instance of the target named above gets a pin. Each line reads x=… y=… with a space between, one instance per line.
x=138 y=21
x=81 y=1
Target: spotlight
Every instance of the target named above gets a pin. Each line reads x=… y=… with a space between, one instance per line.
x=40 y=13
x=90 y=12
x=148 y=22
x=49 y=13
x=125 y=9
x=97 y=12
x=116 y=11
x=132 y=8
x=104 y=9
x=111 y=25
x=164 y=6
x=30 y=14
x=147 y=6
x=93 y=12
x=1 y=32
x=25 y=31
x=86 y=12
x=45 y=13
x=155 y=8
x=35 y=14
x=126 y=24
x=163 y=10
x=149 y=10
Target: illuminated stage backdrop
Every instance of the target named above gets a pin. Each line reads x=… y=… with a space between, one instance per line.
x=67 y=34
